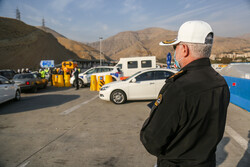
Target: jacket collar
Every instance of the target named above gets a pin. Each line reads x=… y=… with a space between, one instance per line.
x=197 y=64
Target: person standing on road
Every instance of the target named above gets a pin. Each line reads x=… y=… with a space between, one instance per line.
x=76 y=74
x=187 y=121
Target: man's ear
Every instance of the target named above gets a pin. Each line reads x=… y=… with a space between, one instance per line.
x=185 y=50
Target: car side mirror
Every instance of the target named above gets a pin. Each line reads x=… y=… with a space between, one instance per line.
x=133 y=80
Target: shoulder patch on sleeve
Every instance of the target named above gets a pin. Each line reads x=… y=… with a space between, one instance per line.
x=178 y=74
x=158 y=101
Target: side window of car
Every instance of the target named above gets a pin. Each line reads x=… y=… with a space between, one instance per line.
x=132 y=64
x=162 y=74
x=4 y=81
x=145 y=76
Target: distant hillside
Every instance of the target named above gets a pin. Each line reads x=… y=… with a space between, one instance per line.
x=82 y=50
x=146 y=42
x=24 y=46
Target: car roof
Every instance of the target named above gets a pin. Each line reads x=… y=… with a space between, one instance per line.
x=104 y=67
x=160 y=69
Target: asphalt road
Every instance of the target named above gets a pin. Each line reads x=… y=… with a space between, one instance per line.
x=64 y=127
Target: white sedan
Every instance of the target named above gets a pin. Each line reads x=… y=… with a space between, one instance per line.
x=8 y=90
x=144 y=85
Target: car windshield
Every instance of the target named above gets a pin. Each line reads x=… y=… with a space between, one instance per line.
x=29 y=76
x=132 y=76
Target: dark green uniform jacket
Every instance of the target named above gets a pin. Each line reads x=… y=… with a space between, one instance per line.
x=187 y=121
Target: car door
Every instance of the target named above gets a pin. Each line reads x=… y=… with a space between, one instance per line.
x=6 y=89
x=144 y=87
x=160 y=78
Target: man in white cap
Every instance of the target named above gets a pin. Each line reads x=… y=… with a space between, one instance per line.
x=187 y=121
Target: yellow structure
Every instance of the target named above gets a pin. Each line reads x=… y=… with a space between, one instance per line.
x=67 y=80
x=93 y=83
x=60 y=82
x=100 y=82
x=108 y=79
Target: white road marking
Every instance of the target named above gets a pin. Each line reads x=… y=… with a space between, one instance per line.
x=77 y=106
x=24 y=164
x=240 y=140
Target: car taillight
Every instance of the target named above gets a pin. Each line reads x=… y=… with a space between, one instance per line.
x=27 y=83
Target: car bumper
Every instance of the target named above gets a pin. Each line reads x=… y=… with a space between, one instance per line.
x=26 y=88
x=104 y=95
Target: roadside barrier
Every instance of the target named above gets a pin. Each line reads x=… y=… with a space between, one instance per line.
x=239 y=91
x=100 y=82
x=60 y=82
x=53 y=79
x=108 y=79
x=67 y=80
x=93 y=83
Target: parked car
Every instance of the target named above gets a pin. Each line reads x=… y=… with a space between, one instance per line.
x=30 y=81
x=143 y=85
x=8 y=90
x=84 y=78
x=9 y=74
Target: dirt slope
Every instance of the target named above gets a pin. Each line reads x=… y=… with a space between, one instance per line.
x=24 y=46
x=80 y=49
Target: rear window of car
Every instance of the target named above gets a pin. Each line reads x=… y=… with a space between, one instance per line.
x=29 y=76
x=132 y=64
x=146 y=63
x=7 y=74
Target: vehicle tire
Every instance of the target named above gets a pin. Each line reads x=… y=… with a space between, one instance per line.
x=118 y=97
x=80 y=83
x=34 y=90
x=18 y=95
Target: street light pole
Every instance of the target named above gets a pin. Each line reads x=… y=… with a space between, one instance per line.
x=100 y=50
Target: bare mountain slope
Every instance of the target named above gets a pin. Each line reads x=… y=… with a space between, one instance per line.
x=82 y=50
x=23 y=46
x=146 y=42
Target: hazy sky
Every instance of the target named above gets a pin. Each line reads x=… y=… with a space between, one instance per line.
x=87 y=20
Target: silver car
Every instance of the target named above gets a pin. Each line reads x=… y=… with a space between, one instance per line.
x=8 y=90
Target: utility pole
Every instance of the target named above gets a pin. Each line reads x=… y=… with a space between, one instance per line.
x=43 y=24
x=18 y=14
x=100 y=50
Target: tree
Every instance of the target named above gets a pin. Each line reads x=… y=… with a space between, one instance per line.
x=226 y=60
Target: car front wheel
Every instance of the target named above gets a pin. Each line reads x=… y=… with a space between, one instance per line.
x=18 y=96
x=118 y=97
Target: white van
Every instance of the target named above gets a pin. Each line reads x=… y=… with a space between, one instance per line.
x=131 y=65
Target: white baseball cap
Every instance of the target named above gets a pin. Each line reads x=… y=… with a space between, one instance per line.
x=192 y=32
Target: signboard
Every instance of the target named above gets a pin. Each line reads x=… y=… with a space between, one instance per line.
x=68 y=65
x=169 y=60
x=47 y=63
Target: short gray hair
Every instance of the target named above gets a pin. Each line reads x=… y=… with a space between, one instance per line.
x=199 y=50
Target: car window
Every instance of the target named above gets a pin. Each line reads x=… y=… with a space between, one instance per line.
x=119 y=66
x=162 y=74
x=132 y=64
x=29 y=76
x=145 y=76
x=91 y=71
x=4 y=81
x=146 y=63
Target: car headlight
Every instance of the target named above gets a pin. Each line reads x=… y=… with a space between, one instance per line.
x=104 y=88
